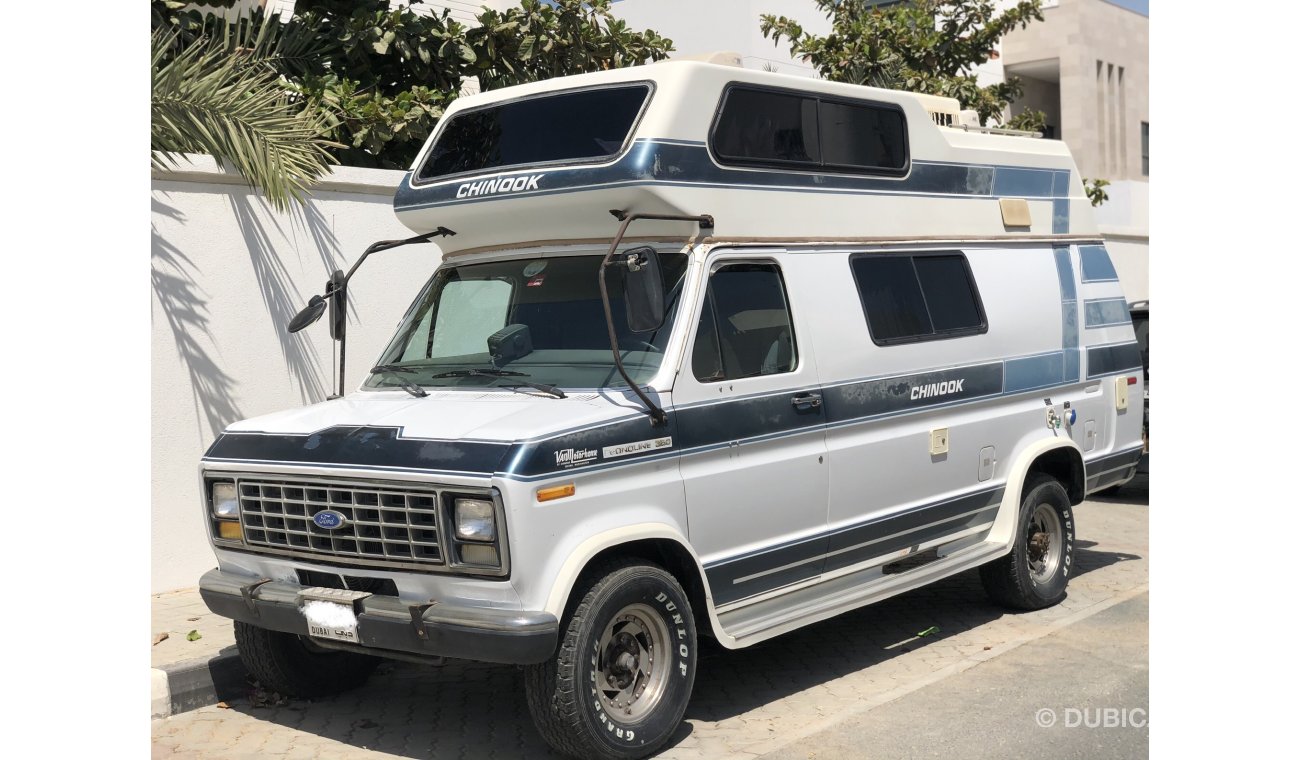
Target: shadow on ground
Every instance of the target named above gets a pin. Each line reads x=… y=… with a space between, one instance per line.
x=420 y=711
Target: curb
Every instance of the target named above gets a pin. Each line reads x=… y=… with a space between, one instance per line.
x=192 y=684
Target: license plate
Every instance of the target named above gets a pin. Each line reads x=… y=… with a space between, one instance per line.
x=329 y=620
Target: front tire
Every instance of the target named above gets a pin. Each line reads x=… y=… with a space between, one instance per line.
x=618 y=685
x=1035 y=573
x=288 y=664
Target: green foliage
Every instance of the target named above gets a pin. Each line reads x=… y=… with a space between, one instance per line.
x=535 y=41
x=928 y=46
x=1028 y=121
x=206 y=99
x=1095 y=190
x=379 y=77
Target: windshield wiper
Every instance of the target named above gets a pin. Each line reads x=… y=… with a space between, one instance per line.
x=493 y=372
x=396 y=371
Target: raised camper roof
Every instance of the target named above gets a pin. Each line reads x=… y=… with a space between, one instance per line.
x=769 y=156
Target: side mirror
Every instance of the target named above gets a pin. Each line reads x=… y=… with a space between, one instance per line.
x=643 y=289
x=338 y=295
x=310 y=313
x=509 y=343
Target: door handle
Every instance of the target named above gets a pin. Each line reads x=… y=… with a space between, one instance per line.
x=806 y=401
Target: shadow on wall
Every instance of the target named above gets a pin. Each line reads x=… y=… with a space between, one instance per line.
x=184 y=303
x=186 y=312
x=279 y=294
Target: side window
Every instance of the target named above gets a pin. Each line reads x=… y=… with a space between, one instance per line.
x=807 y=131
x=862 y=137
x=910 y=298
x=745 y=327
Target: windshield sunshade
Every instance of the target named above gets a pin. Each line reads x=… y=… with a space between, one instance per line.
x=525 y=322
x=586 y=125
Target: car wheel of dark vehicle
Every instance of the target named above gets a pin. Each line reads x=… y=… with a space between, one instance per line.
x=1034 y=574
x=291 y=665
x=618 y=685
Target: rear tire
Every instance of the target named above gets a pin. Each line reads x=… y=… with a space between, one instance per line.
x=1035 y=573
x=288 y=664
x=619 y=683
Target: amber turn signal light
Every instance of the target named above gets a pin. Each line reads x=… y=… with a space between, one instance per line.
x=555 y=492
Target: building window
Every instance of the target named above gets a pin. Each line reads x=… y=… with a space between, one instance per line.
x=1146 y=149
x=914 y=298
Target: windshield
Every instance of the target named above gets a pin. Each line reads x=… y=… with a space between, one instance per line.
x=542 y=317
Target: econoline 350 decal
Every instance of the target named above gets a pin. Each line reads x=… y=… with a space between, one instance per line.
x=640 y=447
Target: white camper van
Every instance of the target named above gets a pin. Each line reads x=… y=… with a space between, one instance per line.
x=710 y=352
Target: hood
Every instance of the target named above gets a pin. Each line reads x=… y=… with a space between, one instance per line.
x=475 y=433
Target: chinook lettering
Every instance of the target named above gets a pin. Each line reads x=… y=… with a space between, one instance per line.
x=937 y=389
x=498 y=185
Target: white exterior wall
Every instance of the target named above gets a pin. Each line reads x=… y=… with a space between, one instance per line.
x=227 y=273
x=697 y=27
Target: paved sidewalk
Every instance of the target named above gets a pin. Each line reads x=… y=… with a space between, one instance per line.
x=190 y=674
x=747 y=703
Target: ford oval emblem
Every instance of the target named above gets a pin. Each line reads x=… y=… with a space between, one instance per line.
x=329 y=519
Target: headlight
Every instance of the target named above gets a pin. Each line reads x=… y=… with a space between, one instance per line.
x=225 y=502
x=475 y=520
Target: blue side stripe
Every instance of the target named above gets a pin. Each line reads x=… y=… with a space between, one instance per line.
x=1105 y=312
x=678 y=163
x=1097 y=266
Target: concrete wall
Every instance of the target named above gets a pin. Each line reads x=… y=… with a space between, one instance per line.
x=1100 y=119
x=227 y=274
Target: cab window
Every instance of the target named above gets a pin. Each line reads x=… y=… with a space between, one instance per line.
x=745 y=329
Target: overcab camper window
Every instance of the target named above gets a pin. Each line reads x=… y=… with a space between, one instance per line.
x=570 y=127
x=763 y=127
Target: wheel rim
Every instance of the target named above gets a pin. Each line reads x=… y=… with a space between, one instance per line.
x=632 y=663
x=1044 y=542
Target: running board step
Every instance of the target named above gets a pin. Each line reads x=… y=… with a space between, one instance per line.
x=770 y=617
x=912 y=562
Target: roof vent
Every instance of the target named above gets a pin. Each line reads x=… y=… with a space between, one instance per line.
x=943 y=111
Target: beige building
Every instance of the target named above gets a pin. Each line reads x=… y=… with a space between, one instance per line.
x=1085 y=67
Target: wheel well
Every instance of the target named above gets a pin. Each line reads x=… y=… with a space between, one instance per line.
x=669 y=555
x=1065 y=465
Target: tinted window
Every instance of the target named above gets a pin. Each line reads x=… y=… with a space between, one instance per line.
x=767 y=126
x=787 y=129
x=949 y=293
x=574 y=126
x=745 y=328
x=922 y=297
x=862 y=136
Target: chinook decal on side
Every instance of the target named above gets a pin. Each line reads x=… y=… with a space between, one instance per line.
x=498 y=185
x=937 y=389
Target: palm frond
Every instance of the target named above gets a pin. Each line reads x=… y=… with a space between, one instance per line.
x=206 y=100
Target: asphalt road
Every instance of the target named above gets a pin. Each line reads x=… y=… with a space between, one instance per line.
x=1088 y=680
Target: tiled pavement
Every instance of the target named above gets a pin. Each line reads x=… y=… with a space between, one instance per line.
x=746 y=702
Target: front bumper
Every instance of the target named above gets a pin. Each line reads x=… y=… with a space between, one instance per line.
x=385 y=623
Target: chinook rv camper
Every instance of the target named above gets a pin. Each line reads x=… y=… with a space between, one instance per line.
x=710 y=352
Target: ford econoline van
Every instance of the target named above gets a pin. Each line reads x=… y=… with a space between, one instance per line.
x=710 y=352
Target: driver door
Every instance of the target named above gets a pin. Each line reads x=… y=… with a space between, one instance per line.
x=751 y=424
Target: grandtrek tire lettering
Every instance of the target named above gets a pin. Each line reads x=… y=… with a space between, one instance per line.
x=499 y=186
x=625 y=694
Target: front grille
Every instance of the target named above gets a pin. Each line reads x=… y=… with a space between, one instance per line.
x=383 y=525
